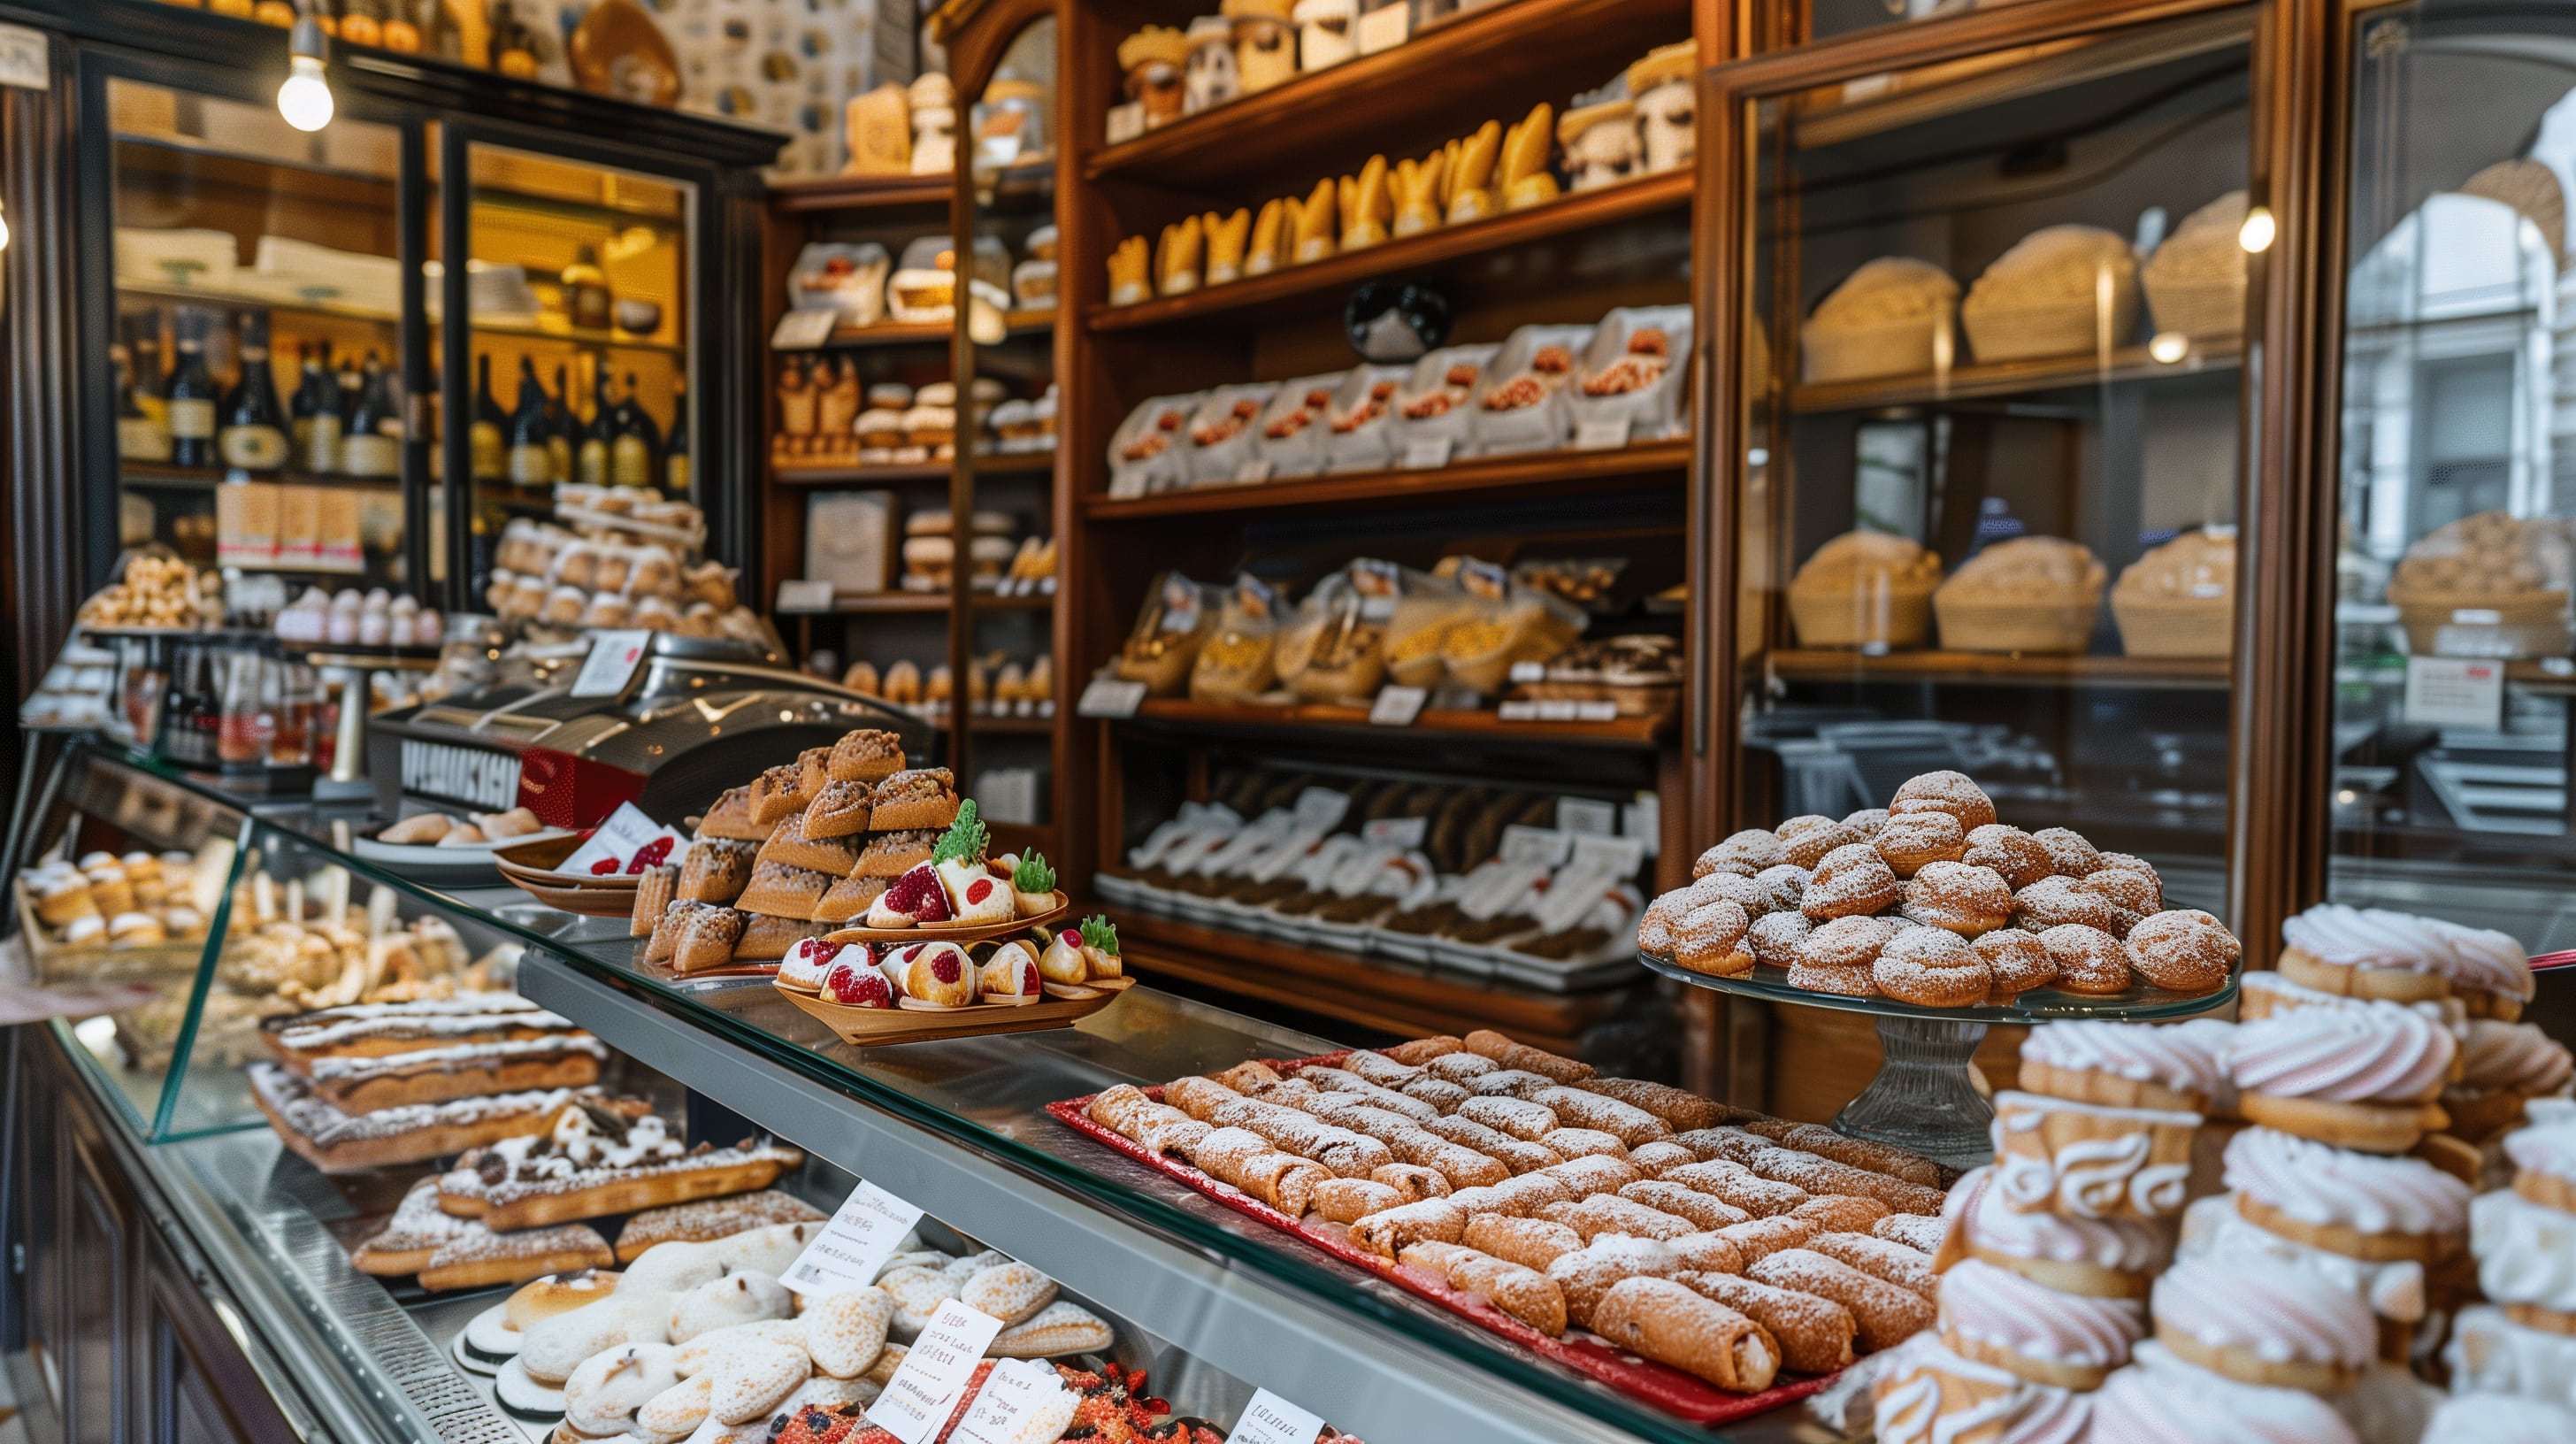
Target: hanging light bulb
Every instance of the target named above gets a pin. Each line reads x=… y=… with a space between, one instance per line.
x=305 y=98
x=4 y=230
x=2255 y=236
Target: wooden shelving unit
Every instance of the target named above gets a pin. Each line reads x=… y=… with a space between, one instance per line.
x=1548 y=473
x=1429 y=726
x=785 y=473
x=827 y=194
x=2001 y=669
x=890 y=333
x=2016 y=378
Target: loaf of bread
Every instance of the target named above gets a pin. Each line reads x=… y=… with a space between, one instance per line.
x=2060 y=291
x=2179 y=600
x=2030 y=594
x=1865 y=587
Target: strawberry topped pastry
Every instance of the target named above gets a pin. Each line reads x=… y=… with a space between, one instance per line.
x=915 y=899
x=858 y=984
x=977 y=892
x=1011 y=975
x=811 y=959
x=1062 y=960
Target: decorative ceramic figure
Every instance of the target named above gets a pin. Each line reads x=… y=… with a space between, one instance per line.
x=1324 y=32
x=1211 y=79
x=1156 y=59
x=1667 y=109
x=1265 y=44
x=1601 y=143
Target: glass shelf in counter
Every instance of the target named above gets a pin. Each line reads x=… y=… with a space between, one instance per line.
x=135 y=472
x=1996 y=669
x=549 y=327
x=2167 y=356
x=1924 y=1097
x=305 y=301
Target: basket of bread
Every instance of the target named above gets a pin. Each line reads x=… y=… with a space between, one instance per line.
x=1889 y=318
x=2029 y=594
x=2487 y=585
x=1865 y=589
x=2196 y=280
x=2060 y=291
x=2179 y=600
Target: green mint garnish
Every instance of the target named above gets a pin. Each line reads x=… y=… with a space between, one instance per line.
x=1099 y=932
x=964 y=840
x=1033 y=874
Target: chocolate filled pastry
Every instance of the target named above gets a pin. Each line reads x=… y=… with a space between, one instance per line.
x=1389 y=1233
x=1348 y=1200
x=596 y=1162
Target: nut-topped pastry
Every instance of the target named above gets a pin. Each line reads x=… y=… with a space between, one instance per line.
x=865 y=755
x=920 y=798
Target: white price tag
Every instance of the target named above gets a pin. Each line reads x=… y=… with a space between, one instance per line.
x=1596 y=711
x=1587 y=815
x=1556 y=711
x=804 y=596
x=1386 y=27
x=1396 y=831
x=925 y=1386
x=613 y=658
x=868 y=1228
x=1643 y=819
x=1110 y=697
x=1013 y=1393
x=1269 y=1419
x=2455 y=692
x=1427 y=455
x=1251 y=471
x=23 y=59
x=1126 y=122
x=1603 y=435
x=1517 y=712
x=626 y=832
x=1398 y=706
x=804 y=330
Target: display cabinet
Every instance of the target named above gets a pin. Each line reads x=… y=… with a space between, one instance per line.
x=388 y=276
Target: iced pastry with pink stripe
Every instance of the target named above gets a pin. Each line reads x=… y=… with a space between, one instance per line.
x=2354 y=1077
x=2068 y=1341
x=2164 y=1399
x=2503 y=1066
x=2103 y=1257
x=2365 y=953
x=2499 y=1419
x=1926 y=1394
x=2263 y=1323
x=2125 y=1065
x=2489 y=971
x=2356 y=1203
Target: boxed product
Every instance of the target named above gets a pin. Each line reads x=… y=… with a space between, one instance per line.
x=1164 y=644
x=1361 y=430
x=1436 y=403
x=849 y=540
x=1632 y=373
x=1221 y=434
x=2030 y=594
x=1522 y=404
x=1145 y=452
x=1639 y=675
x=1292 y=428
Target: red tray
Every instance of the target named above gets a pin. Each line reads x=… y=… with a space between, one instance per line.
x=1660 y=1385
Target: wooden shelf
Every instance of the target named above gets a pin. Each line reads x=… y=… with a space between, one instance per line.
x=1431 y=725
x=1991 y=669
x=988 y=602
x=1029 y=323
x=791 y=474
x=1457 y=71
x=1012 y=726
x=1563 y=216
x=576 y=336
x=1015 y=463
x=861 y=192
x=887 y=333
x=866 y=603
x=2013 y=378
x=163 y=474
x=1339 y=985
x=1549 y=473
x=245 y=301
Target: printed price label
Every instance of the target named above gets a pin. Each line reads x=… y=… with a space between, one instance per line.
x=925 y=1386
x=1252 y=471
x=1587 y=815
x=1386 y=28
x=1517 y=711
x=865 y=1231
x=1126 y=122
x=1109 y=697
x=1398 y=706
x=1428 y=455
x=804 y=596
x=1606 y=435
x=804 y=330
x=1012 y=1393
x=1269 y=1419
x=2454 y=692
x=613 y=658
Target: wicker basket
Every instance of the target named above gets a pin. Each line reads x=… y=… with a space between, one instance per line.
x=2152 y=626
x=2025 y=333
x=2201 y=310
x=1895 y=615
x=2471 y=624
x=1970 y=624
x=1859 y=353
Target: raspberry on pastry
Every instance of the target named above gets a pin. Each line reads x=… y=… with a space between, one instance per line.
x=941 y=975
x=1062 y=961
x=858 y=985
x=1011 y=975
x=915 y=898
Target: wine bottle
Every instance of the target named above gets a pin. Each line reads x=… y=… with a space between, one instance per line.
x=563 y=434
x=491 y=457
x=585 y=289
x=371 y=448
x=531 y=459
x=252 y=434
x=191 y=394
x=593 y=454
x=139 y=436
x=675 y=456
x=321 y=450
x=632 y=449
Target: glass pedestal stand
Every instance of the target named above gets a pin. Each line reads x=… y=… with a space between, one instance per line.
x=1924 y=1098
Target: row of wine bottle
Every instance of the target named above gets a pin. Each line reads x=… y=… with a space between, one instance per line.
x=348 y=421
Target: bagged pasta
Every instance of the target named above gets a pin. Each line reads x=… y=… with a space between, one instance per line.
x=1164 y=644
x=1236 y=663
x=1507 y=624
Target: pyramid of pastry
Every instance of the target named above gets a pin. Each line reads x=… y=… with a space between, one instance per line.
x=1932 y=901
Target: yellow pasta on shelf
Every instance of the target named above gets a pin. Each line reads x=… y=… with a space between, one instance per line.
x=1226 y=236
x=1417 y=192
x=1366 y=208
x=1523 y=174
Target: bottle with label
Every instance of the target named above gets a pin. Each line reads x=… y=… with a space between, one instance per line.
x=317 y=420
x=563 y=435
x=491 y=457
x=191 y=394
x=352 y=383
x=675 y=456
x=531 y=456
x=591 y=461
x=251 y=434
x=637 y=442
x=139 y=437
x=585 y=289
x=144 y=351
x=371 y=448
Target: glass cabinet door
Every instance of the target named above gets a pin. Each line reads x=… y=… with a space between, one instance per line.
x=579 y=292
x=1007 y=445
x=1993 y=442
x=2453 y=676
x=256 y=341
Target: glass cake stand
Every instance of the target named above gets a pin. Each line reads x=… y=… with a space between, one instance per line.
x=1925 y=1099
